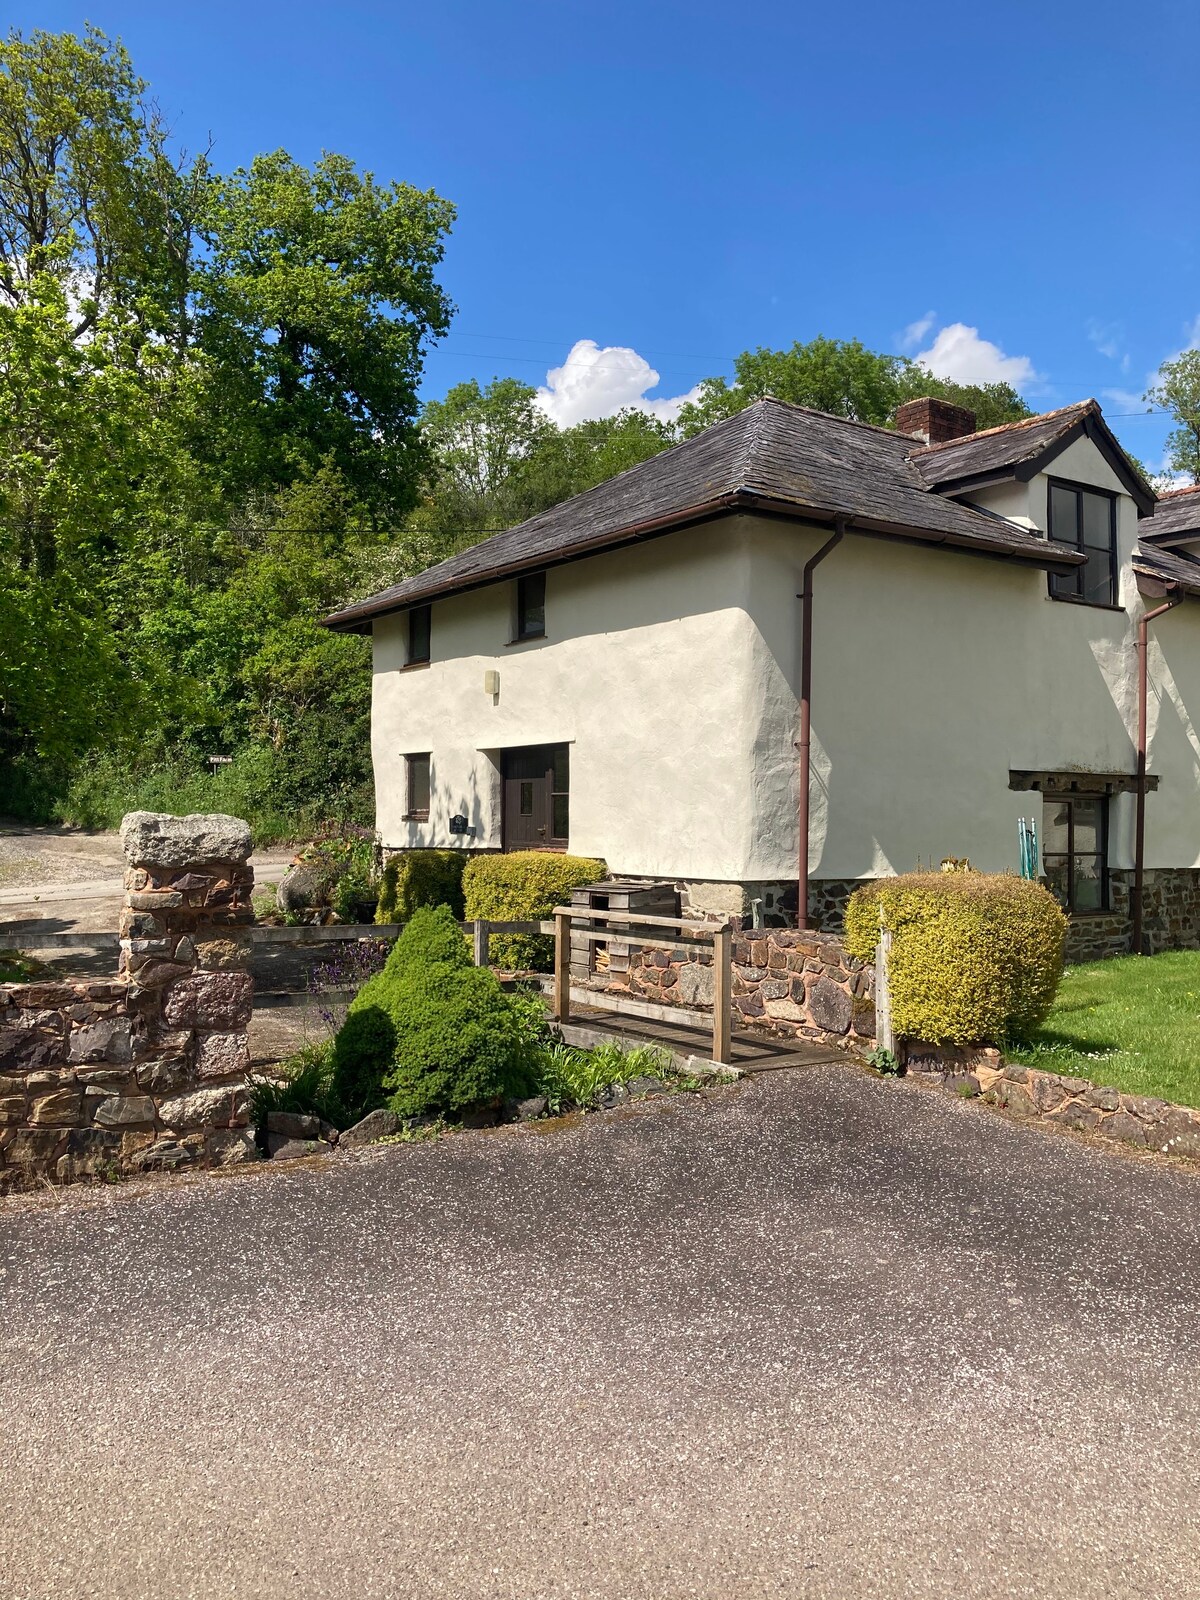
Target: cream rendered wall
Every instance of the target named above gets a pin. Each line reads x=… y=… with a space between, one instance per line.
x=649 y=671
x=935 y=673
x=672 y=670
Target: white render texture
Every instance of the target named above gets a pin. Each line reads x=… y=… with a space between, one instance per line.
x=672 y=669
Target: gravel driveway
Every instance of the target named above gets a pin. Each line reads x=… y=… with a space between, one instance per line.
x=812 y=1335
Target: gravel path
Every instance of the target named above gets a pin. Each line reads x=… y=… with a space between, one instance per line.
x=814 y=1335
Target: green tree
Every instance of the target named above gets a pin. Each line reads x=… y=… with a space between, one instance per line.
x=314 y=301
x=844 y=378
x=480 y=443
x=1178 y=391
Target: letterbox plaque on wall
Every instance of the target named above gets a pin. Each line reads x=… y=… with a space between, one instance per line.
x=458 y=824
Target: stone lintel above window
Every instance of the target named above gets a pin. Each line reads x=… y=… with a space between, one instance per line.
x=1079 y=782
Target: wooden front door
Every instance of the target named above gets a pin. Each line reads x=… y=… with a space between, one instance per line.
x=536 y=797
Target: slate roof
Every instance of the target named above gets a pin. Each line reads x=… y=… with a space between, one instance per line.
x=1176 y=516
x=772 y=457
x=1174 y=568
x=1019 y=449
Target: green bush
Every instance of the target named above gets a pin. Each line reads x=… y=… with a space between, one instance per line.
x=569 y=1076
x=432 y=1032
x=304 y=1084
x=975 y=956
x=419 y=878
x=522 y=887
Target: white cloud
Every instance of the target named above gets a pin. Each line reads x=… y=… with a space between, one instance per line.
x=958 y=353
x=913 y=335
x=1108 y=338
x=595 y=382
x=1126 y=399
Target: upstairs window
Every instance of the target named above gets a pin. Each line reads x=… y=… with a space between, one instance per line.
x=531 y=606
x=1075 y=850
x=416 y=784
x=1085 y=519
x=419 y=619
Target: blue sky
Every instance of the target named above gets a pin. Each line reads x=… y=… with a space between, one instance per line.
x=677 y=181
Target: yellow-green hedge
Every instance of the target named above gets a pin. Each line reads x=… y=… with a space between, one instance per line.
x=417 y=878
x=976 y=957
x=520 y=887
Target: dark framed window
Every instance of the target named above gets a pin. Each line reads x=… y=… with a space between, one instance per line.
x=419 y=621
x=1085 y=519
x=560 y=790
x=531 y=606
x=1075 y=850
x=416 y=788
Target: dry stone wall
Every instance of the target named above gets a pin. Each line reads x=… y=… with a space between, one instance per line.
x=1132 y=1119
x=148 y=1071
x=800 y=985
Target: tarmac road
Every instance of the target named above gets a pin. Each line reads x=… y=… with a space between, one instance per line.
x=813 y=1335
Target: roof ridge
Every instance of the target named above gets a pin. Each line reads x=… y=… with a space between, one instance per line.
x=1171 y=494
x=832 y=416
x=1077 y=406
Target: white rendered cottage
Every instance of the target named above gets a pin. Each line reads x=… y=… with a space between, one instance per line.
x=624 y=674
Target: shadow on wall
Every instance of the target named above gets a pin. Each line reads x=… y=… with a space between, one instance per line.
x=481 y=811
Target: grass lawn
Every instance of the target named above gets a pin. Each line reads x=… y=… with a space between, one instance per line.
x=1133 y=1022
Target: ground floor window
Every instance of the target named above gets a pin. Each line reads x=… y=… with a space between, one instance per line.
x=1075 y=850
x=416 y=781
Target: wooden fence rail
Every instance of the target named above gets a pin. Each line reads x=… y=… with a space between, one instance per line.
x=579 y=920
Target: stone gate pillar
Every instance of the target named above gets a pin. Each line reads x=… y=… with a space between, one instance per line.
x=147 y=1072
x=184 y=957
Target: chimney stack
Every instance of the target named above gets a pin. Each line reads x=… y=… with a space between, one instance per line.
x=936 y=421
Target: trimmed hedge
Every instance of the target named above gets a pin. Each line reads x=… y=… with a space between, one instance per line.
x=432 y=1032
x=976 y=957
x=417 y=878
x=520 y=887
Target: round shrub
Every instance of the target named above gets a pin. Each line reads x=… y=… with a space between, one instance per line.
x=975 y=956
x=524 y=886
x=432 y=1032
x=460 y=1041
x=417 y=878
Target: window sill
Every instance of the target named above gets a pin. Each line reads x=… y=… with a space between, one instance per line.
x=415 y=816
x=1090 y=605
x=413 y=666
x=528 y=638
x=1086 y=916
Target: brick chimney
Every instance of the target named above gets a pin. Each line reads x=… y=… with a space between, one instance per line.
x=936 y=421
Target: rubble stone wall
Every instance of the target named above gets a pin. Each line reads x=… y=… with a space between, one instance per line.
x=146 y=1071
x=1132 y=1119
x=799 y=985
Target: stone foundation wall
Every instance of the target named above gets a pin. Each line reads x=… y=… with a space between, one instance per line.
x=1170 y=916
x=147 y=1071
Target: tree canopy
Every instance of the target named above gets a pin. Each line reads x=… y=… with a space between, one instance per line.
x=843 y=377
x=1178 y=391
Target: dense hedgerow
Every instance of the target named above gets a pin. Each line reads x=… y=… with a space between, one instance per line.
x=432 y=1032
x=417 y=878
x=521 y=887
x=975 y=956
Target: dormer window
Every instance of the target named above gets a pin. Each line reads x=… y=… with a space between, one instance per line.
x=1086 y=520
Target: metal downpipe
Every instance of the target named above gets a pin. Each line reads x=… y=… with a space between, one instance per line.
x=1139 y=844
x=805 y=742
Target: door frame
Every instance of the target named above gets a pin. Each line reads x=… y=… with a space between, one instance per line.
x=553 y=846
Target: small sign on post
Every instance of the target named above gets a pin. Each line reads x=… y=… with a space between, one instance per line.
x=219 y=761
